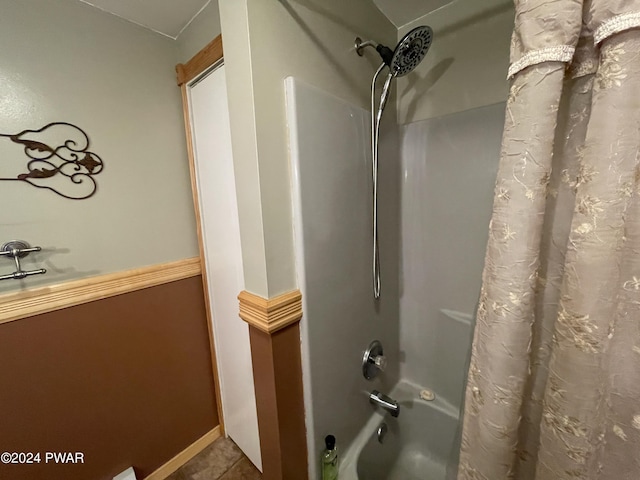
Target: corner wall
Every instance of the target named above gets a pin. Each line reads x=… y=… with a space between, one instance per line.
x=312 y=41
x=332 y=211
x=451 y=111
x=466 y=65
x=450 y=165
x=265 y=42
x=66 y=61
x=204 y=28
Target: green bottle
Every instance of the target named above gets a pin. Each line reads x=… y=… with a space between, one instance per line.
x=329 y=459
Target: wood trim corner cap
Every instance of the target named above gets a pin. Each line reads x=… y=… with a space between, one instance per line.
x=273 y=314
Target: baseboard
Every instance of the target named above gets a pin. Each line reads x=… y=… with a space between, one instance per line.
x=184 y=456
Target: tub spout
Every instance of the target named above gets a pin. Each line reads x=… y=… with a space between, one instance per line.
x=381 y=400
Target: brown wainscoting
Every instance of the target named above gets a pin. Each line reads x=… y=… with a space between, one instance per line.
x=126 y=380
x=274 y=331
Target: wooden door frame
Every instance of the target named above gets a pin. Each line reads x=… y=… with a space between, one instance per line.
x=201 y=61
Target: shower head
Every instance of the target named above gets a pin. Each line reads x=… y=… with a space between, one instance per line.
x=411 y=50
x=408 y=53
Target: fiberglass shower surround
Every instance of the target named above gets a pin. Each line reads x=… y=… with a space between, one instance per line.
x=404 y=59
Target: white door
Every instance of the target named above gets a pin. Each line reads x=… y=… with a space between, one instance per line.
x=221 y=234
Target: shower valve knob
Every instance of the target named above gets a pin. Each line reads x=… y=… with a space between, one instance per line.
x=373 y=360
x=380 y=361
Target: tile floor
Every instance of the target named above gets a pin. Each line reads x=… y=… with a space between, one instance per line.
x=222 y=460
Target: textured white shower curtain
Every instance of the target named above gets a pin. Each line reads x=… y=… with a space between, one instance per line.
x=554 y=383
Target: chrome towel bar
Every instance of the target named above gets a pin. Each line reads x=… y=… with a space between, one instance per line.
x=18 y=249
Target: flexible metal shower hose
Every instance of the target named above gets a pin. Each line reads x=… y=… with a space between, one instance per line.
x=375 y=130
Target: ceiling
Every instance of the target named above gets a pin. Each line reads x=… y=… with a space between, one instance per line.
x=167 y=17
x=401 y=12
x=170 y=17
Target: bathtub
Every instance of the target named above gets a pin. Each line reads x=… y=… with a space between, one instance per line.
x=419 y=444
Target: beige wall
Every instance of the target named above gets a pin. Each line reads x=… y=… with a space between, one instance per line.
x=66 y=61
x=204 y=28
x=265 y=42
x=466 y=66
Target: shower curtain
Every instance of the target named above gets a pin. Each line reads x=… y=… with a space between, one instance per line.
x=553 y=390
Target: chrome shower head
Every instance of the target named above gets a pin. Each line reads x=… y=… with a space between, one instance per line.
x=408 y=53
x=411 y=50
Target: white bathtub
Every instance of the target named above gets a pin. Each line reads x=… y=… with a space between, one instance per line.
x=418 y=444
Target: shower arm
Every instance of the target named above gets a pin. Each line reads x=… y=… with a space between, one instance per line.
x=361 y=45
x=385 y=52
